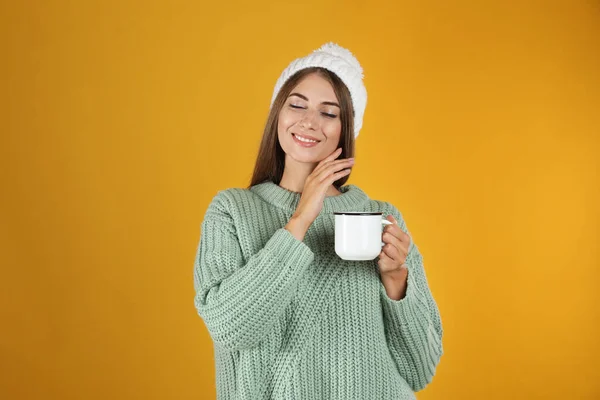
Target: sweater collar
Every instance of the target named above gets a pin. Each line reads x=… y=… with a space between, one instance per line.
x=351 y=199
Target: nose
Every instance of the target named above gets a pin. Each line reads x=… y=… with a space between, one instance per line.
x=309 y=120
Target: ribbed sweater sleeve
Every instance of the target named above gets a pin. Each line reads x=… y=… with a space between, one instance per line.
x=413 y=325
x=240 y=300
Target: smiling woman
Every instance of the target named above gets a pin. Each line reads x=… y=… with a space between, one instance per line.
x=289 y=319
x=312 y=98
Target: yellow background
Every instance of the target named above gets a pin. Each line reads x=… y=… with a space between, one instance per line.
x=122 y=119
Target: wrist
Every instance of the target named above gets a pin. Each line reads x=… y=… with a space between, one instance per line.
x=395 y=283
x=301 y=222
x=396 y=276
x=297 y=227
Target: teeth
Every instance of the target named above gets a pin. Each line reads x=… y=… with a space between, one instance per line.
x=305 y=140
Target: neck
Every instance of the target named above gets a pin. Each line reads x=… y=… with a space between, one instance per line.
x=295 y=174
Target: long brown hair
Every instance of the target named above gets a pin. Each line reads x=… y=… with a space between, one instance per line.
x=270 y=161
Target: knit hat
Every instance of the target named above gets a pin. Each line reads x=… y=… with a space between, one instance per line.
x=341 y=62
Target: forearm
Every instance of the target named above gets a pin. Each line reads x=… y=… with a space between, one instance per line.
x=413 y=326
x=241 y=306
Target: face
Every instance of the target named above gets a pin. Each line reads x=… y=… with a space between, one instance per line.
x=309 y=126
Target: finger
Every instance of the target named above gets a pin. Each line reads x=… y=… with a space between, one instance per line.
x=385 y=263
x=404 y=236
x=402 y=246
x=334 y=167
x=399 y=254
x=397 y=232
x=329 y=158
x=320 y=168
x=337 y=176
x=383 y=258
x=335 y=154
x=392 y=252
x=393 y=240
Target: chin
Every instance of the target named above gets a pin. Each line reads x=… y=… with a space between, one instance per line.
x=304 y=155
x=305 y=158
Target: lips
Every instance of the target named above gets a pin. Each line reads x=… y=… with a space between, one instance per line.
x=305 y=136
x=302 y=143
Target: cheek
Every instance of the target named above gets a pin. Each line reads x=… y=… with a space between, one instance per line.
x=333 y=130
x=282 y=123
x=286 y=119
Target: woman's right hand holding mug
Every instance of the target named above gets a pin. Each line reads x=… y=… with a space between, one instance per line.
x=316 y=185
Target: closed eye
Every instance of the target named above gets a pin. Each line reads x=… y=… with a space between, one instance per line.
x=328 y=115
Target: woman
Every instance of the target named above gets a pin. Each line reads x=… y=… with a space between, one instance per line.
x=289 y=319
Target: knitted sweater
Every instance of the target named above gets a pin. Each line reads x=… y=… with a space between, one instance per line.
x=289 y=319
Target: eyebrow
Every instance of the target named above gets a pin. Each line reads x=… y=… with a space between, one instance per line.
x=327 y=103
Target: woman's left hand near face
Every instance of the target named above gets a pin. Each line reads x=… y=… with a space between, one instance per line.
x=393 y=255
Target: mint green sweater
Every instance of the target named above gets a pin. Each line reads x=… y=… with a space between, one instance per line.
x=289 y=319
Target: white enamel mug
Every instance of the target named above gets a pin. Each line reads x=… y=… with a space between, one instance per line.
x=358 y=235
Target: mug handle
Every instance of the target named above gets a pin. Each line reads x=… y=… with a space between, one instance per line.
x=385 y=222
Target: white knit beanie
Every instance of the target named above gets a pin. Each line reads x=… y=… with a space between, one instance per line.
x=341 y=62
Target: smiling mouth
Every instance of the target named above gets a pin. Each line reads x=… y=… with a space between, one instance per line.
x=305 y=139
